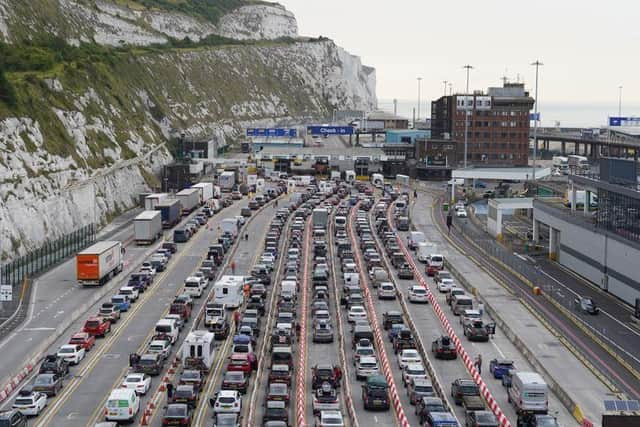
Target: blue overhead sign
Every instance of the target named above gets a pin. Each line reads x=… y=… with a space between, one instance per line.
x=291 y=133
x=330 y=130
x=624 y=121
x=534 y=116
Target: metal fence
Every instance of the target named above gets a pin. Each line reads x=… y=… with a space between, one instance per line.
x=47 y=255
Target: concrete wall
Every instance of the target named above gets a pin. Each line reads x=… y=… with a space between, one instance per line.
x=583 y=249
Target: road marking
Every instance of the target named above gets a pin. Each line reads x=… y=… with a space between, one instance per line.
x=58 y=313
x=38 y=329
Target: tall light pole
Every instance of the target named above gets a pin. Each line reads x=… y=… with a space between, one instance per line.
x=444 y=82
x=619 y=101
x=450 y=88
x=419 y=81
x=537 y=64
x=466 y=116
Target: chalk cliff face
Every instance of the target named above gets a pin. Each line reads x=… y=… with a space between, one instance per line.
x=85 y=138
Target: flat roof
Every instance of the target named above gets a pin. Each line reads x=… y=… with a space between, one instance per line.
x=512 y=203
x=521 y=174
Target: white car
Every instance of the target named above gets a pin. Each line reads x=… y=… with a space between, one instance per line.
x=407 y=357
x=418 y=294
x=386 y=290
x=160 y=347
x=227 y=401
x=470 y=315
x=147 y=268
x=330 y=419
x=30 y=403
x=413 y=370
x=194 y=286
x=357 y=312
x=461 y=213
x=366 y=366
x=240 y=219
x=72 y=353
x=131 y=292
x=445 y=285
x=141 y=383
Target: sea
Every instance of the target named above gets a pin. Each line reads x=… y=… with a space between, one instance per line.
x=551 y=114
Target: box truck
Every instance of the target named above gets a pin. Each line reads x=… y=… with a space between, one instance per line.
x=97 y=264
x=229 y=225
x=190 y=199
x=152 y=200
x=350 y=176
x=580 y=198
x=528 y=393
x=320 y=217
x=206 y=191
x=147 y=227
x=377 y=180
x=170 y=212
x=227 y=180
x=335 y=175
x=578 y=162
x=424 y=249
x=561 y=163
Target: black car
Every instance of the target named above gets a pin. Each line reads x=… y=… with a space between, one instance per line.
x=52 y=364
x=256 y=302
x=139 y=281
x=177 y=414
x=150 y=364
x=276 y=410
x=443 y=348
x=185 y=393
x=391 y=317
x=170 y=246
x=480 y=419
x=427 y=405
x=220 y=329
x=12 y=418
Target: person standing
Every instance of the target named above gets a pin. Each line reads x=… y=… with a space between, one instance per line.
x=169 y=391
x=478 y=364
x=233 y=267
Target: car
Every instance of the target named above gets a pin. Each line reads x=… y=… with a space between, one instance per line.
x=131 y=292
x=235 y=380
x=139 y=382
x=97 y=326
x=160 y=347
x=193 y=377
x=236 y=195
x=443 y=348
x=461 y=213
x=413 y=371
x=469 y=315
x=121 y=301
x=476 y=330
x=226 y=401
x=364 y=348
x=366 y=366
x=253 y=205
x=149 y=363
x=386 y=290
x=391 y=317
x=278 y=391
x=417 y=388
x=408 y=356
x=224 y=419
x=246 y=212
x=177 y=414
x=330 y=418
x=463 y=388
x=276 y=410
x=417 y=294
x=537 y=420
x=356 y=312
x=49 y=384
x=498 y=367
x=322 y=332
x=185 y=393
x=84 y=340
x=323 y=373
x=586 y=305
x=72 y=353
x=110 y=312
x=325 y=397
x=480 y=419
x=445 y=285
x=427 y=405
x=13 y=418
x=52 y=364
x=30 y=403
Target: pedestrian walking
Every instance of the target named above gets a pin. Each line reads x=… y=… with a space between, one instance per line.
x=478 y=364
x=236 y=317
x=233 y=267
x=415 y=194
x=481 y=308
x=246 y=237
x=276 y=203
x=169 y=391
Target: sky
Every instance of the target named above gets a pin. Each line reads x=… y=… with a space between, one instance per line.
x=589 y=48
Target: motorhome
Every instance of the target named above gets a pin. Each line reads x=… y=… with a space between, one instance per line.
x=228 y=291
x=198 y=350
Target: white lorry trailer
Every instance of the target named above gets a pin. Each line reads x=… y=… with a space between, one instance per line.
x=229 y=225
x=320 y=217
x=206 y=191
x=147 y=227
x=190 y=199
x=377 y=180
x=226 y=181
x=153 y=200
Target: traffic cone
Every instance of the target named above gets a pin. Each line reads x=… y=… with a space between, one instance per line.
x=144 y=421
x=162 y=387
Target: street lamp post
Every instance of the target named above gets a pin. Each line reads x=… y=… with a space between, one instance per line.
x=444 y=82
x=419 y=82
x=466 y=116
x=537 y=64
x=619 y=101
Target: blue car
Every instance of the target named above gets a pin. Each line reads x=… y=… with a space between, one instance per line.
x=441 y=419
x=499 y=367
x=121 y=301
x=395 y=330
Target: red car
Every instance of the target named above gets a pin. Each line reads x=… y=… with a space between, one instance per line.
x=240 y=362
x=84 y=340
x=97 y=326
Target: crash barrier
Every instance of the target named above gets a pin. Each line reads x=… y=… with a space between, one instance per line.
x=302 y=344
x=351 y=411
x=271 y=312
x=386 y=368
x=468 y=362
x=440 y=391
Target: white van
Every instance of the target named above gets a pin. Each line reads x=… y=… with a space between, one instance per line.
x=460 y=303
x=288 y=287
x=529 y=393
x=401 y=205
x=123 y=404
x=194 y=286
x=425 y=249
x=351 y=279
x=167 y=327
x=414 y=239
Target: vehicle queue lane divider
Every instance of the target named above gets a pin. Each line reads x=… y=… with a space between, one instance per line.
x=386 y=367
x=301 y=389
x=348 y=397
x=437 y=385
x=491 y=401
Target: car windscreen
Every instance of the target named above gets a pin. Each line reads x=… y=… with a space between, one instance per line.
x=23 y=401
x=176 y=411
x=43 y=380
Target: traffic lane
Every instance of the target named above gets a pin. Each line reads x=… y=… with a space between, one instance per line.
x=613 y=322
x=137 y=328
x=382 y=306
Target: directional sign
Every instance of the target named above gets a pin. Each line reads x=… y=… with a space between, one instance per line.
x=624 y=121
x=6 y=293
x=330 y=130
x=291 y=133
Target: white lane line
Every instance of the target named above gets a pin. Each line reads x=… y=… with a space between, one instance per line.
x=493 y=342
x=38 y=329
x=34 y=292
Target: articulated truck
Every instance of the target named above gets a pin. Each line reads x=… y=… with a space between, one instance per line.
x=97 y=264
x=147 y=227
x=171 y=210
x=190 y=199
